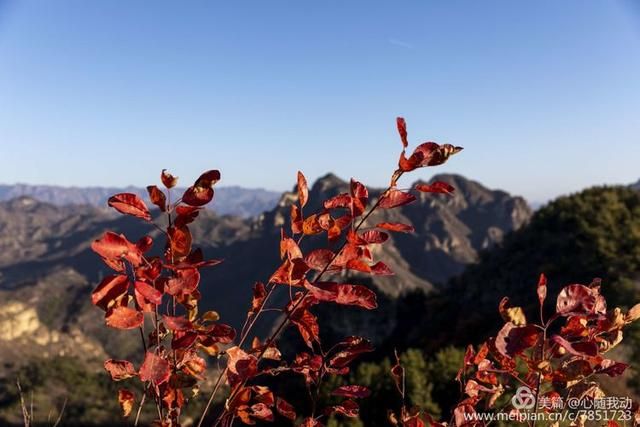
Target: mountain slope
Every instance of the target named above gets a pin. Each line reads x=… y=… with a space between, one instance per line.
x=594 y=233
x=45 y=254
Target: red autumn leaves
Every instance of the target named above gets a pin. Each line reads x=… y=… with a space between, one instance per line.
x=154 y=369
x=143 y=282
x=426 y=154
x=163 y=290
x=556 y=359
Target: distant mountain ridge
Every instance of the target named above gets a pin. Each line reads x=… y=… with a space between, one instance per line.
x=231 y=200
x=46 y=261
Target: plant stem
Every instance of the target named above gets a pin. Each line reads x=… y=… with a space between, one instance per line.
x=290 y=312
x=544 y=341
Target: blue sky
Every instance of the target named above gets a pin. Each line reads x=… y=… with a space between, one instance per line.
x=544 y=95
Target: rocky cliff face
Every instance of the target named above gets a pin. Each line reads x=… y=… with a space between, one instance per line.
x=47 y=269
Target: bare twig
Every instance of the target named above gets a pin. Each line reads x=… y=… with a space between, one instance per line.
x=144 y=396
x=64 y=405
x=25 y=413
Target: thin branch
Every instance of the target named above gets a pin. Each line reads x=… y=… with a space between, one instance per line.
x=64 y=405
x=144 y=396
x=290 y=312
x=23 y=406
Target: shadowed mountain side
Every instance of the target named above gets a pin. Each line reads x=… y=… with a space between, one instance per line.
x=574 y=239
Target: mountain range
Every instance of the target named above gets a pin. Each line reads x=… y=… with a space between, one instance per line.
x=229 y=200
x=48 y=270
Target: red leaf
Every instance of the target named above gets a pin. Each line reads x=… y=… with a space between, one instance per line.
x=113 y=247
x=185 y=282
x=145 y=293
x=186 y=215
x=396 y=226
x=201 y=193
x=582 y=349
x=307 y=325
x=311 y=225
x=416 y=421
x=259 y=295
x=144 y=244
x=182 y=339
x=352 y=391
x=473 y=388
x=167 y=179
x=345 y=294
x=360 y=195
x=111 y=288
x=130 y=204
x=633 y=314
x=358 y=265
x=124 y=318
x=402 y=130
x=241 y=365
x=120 y=369
x=381 y=269
x=296 y=219
x=157 y=197
x=374 y=237
x=394 y=198
x=291 y=272
x=180 y=241
x=348 y=408
x=463 y=413
x=579 y=299
x=208 y=178
x=348 y=350
x=126 y=400
x=513 y=340
x=289 y=248
x=612 y=368
x=149 y=271
x=155 y=369
x=436 y=187
x=222 y=333
x=542 y=289
x=359 y=191
x=285 y=409
x=303 y=190
x=427 y=154
x=261 y=412
x=318 y=259
x=197 y=196
x=340 y=201
x=177 y=323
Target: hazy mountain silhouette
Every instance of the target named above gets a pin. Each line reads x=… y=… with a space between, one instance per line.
x=232 y=200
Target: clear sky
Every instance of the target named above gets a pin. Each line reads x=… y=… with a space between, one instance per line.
x=543 y=95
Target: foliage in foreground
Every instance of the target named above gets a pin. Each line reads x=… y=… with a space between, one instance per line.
x=593 y=233
x=165 y=290
x=542 y=365
x=546 y=357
